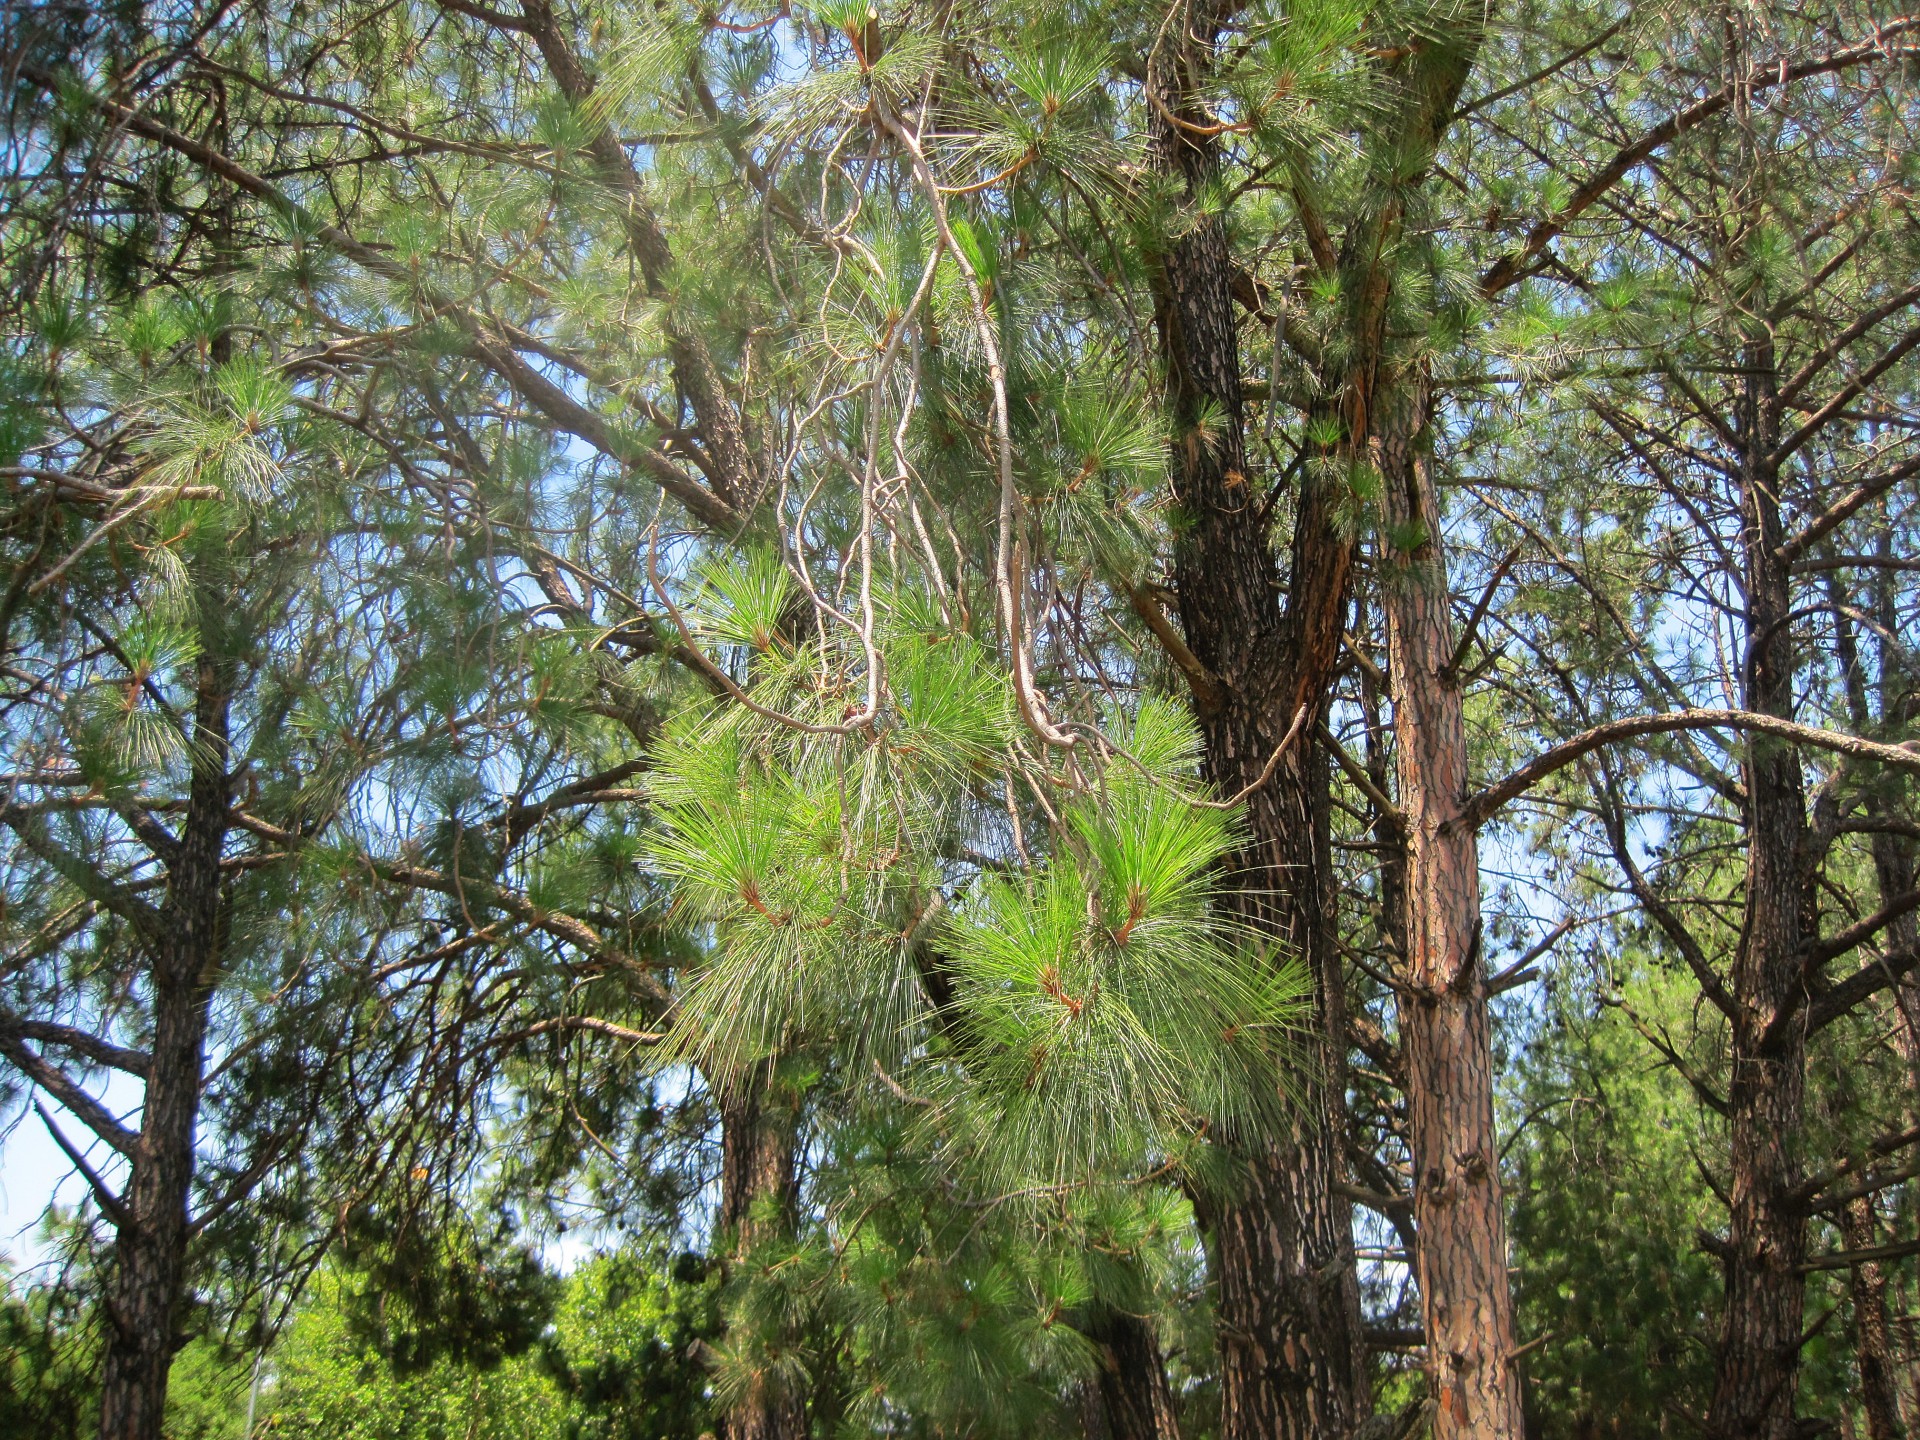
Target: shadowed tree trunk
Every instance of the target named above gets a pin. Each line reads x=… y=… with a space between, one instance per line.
x=1875 y=1357
x=1128 y=1397
x=758 y=1141
x=150 y=1248
x=1756 y=1373
x=1873 y=1345
x=1289 y=1320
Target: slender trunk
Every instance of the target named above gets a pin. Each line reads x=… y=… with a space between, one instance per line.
x=1128 y=1397
x=1872 y=1344
x=758 y=1139
x=1756 y=1373
x=150 y=1250
x=1291 y=1354
x=1874 y=1351
x=1893 y=863
x=1445 y=1022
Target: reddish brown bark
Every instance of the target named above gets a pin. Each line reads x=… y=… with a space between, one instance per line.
x=1292 y=1351
x=1445 y=1022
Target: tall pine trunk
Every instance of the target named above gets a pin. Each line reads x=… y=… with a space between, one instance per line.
x=1872 y=1342
x=1291 y=1356
x=1291 y=1351
x=150 y=1249
x=1445 y=1021
x=1756 y=1372
x=1875 y=1357
x=758 y=1144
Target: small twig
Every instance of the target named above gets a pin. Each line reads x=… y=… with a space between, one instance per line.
x=1533 y=1344
x=1516 y=973
x=1266 y=774
x=900 y=1091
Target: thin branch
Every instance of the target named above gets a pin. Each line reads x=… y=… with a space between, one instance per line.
x=1848 y=1259
x=1858 y=933
x=1544 y=73
x=1514 y=265
x=1518 y=972
x=114 y=1207
x=1362 y=781
x=1266 y=774
x=588 y=1024
x=81 y=1042
x=1208 y=691
x=1490 y=801
x=1708 y=1096
x=1843 y=509
x=1869 y=980
x=82 y=1106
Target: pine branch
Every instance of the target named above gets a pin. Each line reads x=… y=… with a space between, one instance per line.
x=81 y=1042
x=540 y=392
x=1514 y=266
x=77 y=1102
x=1819 y=952
x=561 y=926
x=1849 y=1259
x=1490 y=801
x=1827 y=1006
x=111 y=1204
x=1208 y=692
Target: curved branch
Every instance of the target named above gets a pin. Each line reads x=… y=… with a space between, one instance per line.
x=1513 y=266
x=81 y=1042
x=1488 y=802
x=1857 y=934
x=561 y=926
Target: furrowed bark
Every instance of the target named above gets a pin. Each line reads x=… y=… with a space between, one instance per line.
x=1128 y=1397
x=1445 y=1022
x=758 y=1194
x=150 y=1248
x=1756 y=1371
x=1876 y=1356
x=1873 y=1344
x=1291 y=1352
x=1894 y=870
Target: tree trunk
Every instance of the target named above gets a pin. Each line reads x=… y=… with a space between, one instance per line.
x=758 y=1138
x=1446 y=1026
x=1894 y=870
x=1128 y=1398
x=1756 y=1373
x=1874 y=1351
x=150 y=1249
x=1872 y=1344
x=1291 y=1353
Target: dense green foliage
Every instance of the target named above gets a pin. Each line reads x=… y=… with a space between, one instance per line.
x=615 y=1358
x=782 y=647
